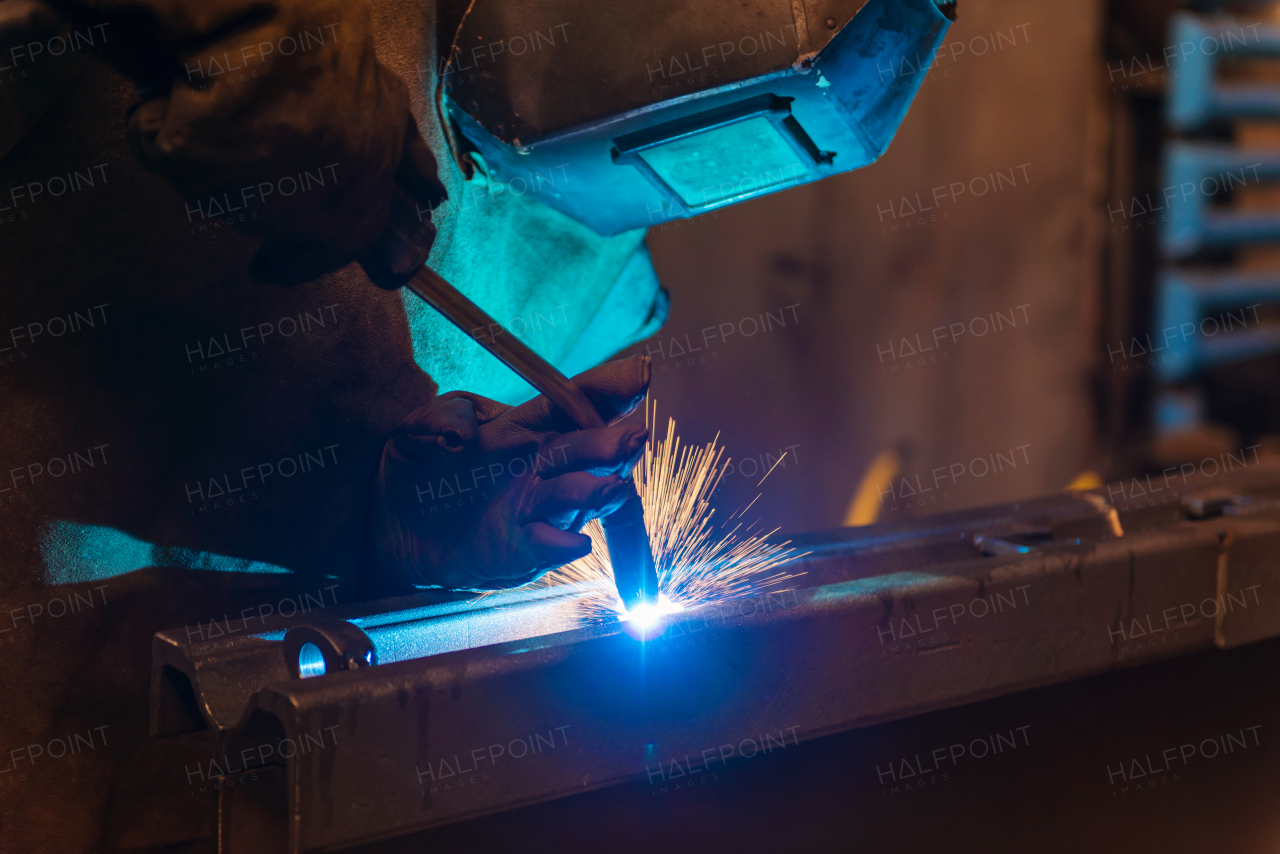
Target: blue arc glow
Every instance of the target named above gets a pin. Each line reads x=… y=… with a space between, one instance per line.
x=645 y=616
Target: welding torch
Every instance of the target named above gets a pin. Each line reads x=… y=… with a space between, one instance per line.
x=624 y=529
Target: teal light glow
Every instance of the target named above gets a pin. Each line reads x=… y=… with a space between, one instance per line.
x=74 y=553
x=310 y=661
x=742 y=159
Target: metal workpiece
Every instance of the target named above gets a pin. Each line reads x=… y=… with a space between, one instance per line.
x=325 y=646
x=888 y=621
x=203 y=676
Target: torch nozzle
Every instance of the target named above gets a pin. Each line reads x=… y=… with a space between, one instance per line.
x=631 y=555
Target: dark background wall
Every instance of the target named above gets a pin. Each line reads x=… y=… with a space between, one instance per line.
x=852 y=269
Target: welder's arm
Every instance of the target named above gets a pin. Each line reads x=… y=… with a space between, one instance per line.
x=276 y=106
x=473 y=494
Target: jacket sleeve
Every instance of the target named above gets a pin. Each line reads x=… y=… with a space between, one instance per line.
x=276 y=106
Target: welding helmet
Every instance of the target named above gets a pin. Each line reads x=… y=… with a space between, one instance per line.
x=623 y=114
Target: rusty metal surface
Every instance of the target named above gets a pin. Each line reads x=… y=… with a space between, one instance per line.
x=890 y=621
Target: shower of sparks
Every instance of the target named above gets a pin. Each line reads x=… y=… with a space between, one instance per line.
x=697 y=565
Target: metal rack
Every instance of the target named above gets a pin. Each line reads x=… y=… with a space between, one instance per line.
x=1207 y=305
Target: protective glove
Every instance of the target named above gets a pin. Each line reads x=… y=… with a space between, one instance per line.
x=474 y=494
x=277 y=114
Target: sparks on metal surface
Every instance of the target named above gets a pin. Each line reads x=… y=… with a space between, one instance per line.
x=697 y=565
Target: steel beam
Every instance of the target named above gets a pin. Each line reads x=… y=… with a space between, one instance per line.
x=510 y=704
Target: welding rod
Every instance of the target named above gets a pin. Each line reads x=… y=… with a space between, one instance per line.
x=624 y=529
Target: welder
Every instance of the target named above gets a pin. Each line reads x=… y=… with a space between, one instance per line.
x=326 y=107
x=189 y=233
x=233 y=98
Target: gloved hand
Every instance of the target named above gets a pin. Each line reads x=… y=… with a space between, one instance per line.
x=474 y=494
x=277 y=114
